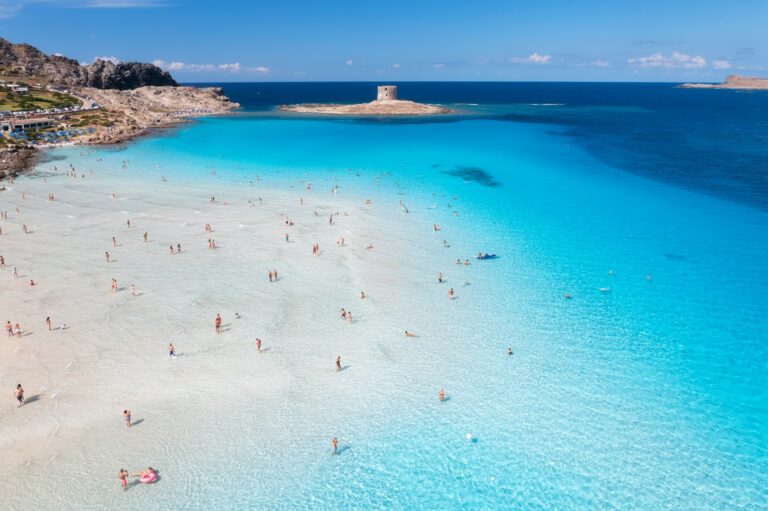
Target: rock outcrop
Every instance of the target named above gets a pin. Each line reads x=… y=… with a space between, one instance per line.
x=732 y=82
x=105 y=74
x=134 y=112
x=25 y=61
x=14 y=159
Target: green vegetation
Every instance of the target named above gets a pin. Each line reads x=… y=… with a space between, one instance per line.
x=91 y=118
x=35 y=99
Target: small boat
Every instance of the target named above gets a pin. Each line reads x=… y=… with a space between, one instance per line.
x=486 y=256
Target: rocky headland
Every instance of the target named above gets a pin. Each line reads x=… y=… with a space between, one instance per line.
x=732 y=82
x=133 y=112
x=132 y=98
x=25 y=62
x=378 y=107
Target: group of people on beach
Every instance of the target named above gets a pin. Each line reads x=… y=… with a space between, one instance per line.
x=12 y=330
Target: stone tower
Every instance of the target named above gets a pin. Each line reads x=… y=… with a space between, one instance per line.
x=386 y=92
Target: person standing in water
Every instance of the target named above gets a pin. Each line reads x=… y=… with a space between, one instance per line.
x=440 y=277
x=123 y=477
x=441 y=394
x=335 y=445
x=450 y=294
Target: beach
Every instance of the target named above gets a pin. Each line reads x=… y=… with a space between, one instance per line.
x=642 y=389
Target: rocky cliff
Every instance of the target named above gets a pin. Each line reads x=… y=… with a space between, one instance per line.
x=25 y=61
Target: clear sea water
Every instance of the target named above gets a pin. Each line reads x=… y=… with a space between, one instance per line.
x=650 y=395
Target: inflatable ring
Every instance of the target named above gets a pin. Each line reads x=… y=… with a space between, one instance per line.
x=148 y=479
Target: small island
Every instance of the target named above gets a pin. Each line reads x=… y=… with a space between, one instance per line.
x=732 y=82
x=386 y=103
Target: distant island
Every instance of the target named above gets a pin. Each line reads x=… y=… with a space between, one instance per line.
x=732 y=82
x=386 y=103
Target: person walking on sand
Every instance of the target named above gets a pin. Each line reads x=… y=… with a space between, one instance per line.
x=171 y=350
x=133 y=290
x=114 y=241
x=338 y=363
x=258 y=345
x=146 y=236
x=123 y=477
x=9 y=328
x=48 y=323
x=114 y=286
x=171 y=249
x=335 y=445
x=17 y=330
x=178 y=247
x=127 y=417
x=18 y=393
x=106 y=256
x=218 y=323
x=15 y=273
x=270 y=275
x=441 y=394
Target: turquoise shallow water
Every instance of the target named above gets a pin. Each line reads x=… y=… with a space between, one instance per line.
x=651 y=395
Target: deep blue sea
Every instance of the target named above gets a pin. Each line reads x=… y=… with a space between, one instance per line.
x=646 y=203
x=713 y=141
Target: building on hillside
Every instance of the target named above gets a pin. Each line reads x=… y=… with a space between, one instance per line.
x=25 y=124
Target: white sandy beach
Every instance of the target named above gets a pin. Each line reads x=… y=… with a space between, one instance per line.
x=69 y=437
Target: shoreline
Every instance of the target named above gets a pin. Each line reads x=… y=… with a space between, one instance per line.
x=136 y=113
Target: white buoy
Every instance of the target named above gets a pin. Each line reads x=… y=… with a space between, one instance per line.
x=469 y=436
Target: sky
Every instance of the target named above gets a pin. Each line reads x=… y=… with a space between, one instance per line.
x=404 y=40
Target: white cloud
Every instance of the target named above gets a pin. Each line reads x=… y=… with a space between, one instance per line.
x=117 y=4
x=438 y=66
x=234 y=67
x=396 y=66
x=533 y=58
x=348 y=62
x=9 y=8
x=600 y=63
x=113 y=60
x=721 y=64
x=675 y=60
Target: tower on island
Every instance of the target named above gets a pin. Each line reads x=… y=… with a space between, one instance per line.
x=386 y=92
